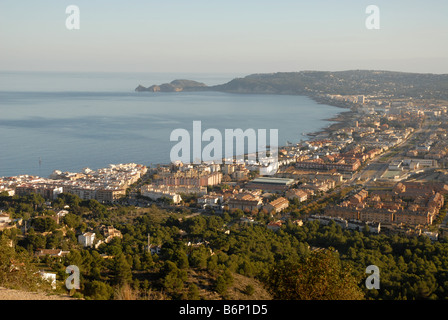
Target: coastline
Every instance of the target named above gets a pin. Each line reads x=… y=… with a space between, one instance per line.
x=337 y=119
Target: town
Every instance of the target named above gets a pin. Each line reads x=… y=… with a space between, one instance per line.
x=381 y=151
x=379 y=168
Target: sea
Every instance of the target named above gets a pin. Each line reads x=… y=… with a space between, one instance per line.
x=72 y=120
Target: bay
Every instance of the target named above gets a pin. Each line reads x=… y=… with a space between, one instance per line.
x=69 y=121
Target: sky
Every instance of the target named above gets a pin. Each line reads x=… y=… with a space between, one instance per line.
x=212 y=36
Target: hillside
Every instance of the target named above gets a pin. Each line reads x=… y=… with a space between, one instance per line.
x=311 y=83
x=355 y=82
x=236 y=291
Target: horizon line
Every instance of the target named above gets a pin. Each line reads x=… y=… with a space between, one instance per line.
x=214 y=72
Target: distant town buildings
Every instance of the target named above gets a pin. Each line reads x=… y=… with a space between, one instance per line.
x=351 y=224
x=54 y=253
x=307 y=171
x=158 y=192
x=105 y=185
x=245 y=201
x=270 y=184
x=109 y=233
x=47 y=191
x=328 y=163
x=277 y=205
x=409 y=203
x=191 y=178
x=275 y=225
x=213 y=201
x=300 y=195
x=5 y=220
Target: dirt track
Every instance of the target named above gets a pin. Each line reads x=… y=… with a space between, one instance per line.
x=9 y=294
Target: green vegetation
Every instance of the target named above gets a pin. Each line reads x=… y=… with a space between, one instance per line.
x=410 y=268
x=213 y=257
x=319 y=276
x=16 y=268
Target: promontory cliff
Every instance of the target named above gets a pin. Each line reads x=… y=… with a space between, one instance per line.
x=317 y=83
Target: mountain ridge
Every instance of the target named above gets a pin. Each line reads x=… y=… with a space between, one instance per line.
x=311 y=83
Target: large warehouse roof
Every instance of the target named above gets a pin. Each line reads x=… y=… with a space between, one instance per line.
x=272 y=180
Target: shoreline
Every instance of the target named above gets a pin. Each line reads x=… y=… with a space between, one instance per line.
x=337 y=120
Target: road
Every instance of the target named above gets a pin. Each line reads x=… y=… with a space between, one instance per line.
x=375 y=169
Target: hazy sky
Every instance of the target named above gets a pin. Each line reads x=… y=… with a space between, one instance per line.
x=244 y=36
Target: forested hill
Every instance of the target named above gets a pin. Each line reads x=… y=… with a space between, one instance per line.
x=368 y=82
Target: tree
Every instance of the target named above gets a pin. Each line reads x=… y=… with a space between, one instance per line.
x=236 y=213
x=181 y=259
x=36 y=200
x=44 y=224
x=147 y=261
x=318 y=277
x=121 y=270
x=173 y=278
x=72 y=220
x=96 y=207
x=17 y=269
x=74 y=258
x=70 y=199
x=98 y=290
x=228 y=277
x=193 y=292
x=221 y=285
x=249 y=290
x=195 y=225
x=36 y=241
x=136 y=263
x=54 y=240
x=4 y=195
x=198 y=258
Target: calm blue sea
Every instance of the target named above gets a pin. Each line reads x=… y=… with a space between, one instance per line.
x=69 y=121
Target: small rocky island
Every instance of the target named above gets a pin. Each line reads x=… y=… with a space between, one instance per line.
x=174 y=86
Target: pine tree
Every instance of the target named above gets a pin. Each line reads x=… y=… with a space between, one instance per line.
x=121 y=270
x=318 y=277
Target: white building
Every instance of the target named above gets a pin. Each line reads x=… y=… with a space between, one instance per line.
x=50 y=277
x=10 y=192
x=373 y=227
x=210 y=199
x=156 y=193
x=4 y=218
x=422 y=162
x=61 y=214
x=154 y=249
x=86 y=239
x=434 y=236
